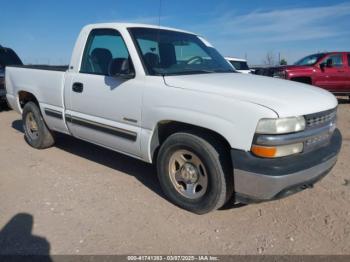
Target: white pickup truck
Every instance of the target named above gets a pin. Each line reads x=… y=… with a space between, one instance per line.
x=166 y=96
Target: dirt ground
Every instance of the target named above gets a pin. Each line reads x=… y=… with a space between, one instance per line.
x=76 y=198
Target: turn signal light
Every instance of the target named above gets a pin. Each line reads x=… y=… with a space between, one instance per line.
x=264 y=151
x=277 y=151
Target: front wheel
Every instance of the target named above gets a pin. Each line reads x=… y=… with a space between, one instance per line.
x=37 y=134
x=195 y=173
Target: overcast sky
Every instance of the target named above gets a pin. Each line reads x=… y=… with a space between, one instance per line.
x=44 y=31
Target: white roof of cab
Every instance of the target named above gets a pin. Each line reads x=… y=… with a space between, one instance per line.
x=131 y=25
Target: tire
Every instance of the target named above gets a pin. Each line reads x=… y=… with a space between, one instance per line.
x=37 y=134
x=215 y=168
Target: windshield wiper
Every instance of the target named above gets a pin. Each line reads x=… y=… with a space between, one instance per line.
x=226 y=71
x=190 y=72
x=200 y=71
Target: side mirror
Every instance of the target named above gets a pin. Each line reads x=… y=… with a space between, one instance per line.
x=329 y=63
x=121 y=67
x=322 y=66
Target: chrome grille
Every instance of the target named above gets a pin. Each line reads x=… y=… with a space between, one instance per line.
x=317 y=139
x=325 y=122
x=321 y=119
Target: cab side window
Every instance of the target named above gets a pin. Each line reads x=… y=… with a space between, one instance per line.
x=102 y=48
x=348 y=59
x=335 y=60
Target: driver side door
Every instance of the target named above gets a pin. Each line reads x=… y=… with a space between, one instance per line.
x=332 y=76
x=104 y=109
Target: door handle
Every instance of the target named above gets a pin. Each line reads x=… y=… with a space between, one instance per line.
x=78 y=87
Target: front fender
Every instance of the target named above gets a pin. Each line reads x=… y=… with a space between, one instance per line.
x=234 y=120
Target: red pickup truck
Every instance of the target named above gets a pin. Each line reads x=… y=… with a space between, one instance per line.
x=330 y=71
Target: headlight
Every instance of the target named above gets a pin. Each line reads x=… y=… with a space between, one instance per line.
x=275 y=127
x=281 y=125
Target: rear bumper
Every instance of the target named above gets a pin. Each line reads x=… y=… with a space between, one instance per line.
x=259 y=179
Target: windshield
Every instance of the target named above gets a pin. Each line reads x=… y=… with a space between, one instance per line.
x=165 y=52
x=309 y=60
x=240 y=65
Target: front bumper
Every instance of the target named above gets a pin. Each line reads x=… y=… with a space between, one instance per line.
x=260 y=179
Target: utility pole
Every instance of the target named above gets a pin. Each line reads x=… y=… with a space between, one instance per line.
x=279 y=57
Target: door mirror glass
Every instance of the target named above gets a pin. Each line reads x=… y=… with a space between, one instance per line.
x=329 y=63
x=121 y=67
x=322 y=66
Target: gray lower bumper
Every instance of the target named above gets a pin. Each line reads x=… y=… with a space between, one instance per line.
x=259 y=179
x=264 y=187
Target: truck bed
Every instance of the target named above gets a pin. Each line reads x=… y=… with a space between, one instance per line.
x=44 y=82
x=61 y=68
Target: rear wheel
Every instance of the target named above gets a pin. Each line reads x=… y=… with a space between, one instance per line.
x=194 y=173
x=37 y=134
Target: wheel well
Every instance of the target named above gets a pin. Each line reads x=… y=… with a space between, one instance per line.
x=304 y=79
x=167 y=128
x=25 y=97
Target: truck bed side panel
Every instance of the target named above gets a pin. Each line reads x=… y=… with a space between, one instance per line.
x=46 y=86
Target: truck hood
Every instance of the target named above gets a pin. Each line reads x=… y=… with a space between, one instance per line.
x=286 y=98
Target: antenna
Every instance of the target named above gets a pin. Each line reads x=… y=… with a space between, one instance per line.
x=158 y=36
x=159 y=12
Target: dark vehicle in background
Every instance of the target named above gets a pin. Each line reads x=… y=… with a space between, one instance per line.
x=241 y=65
x=330 y=71
x=7 y=57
